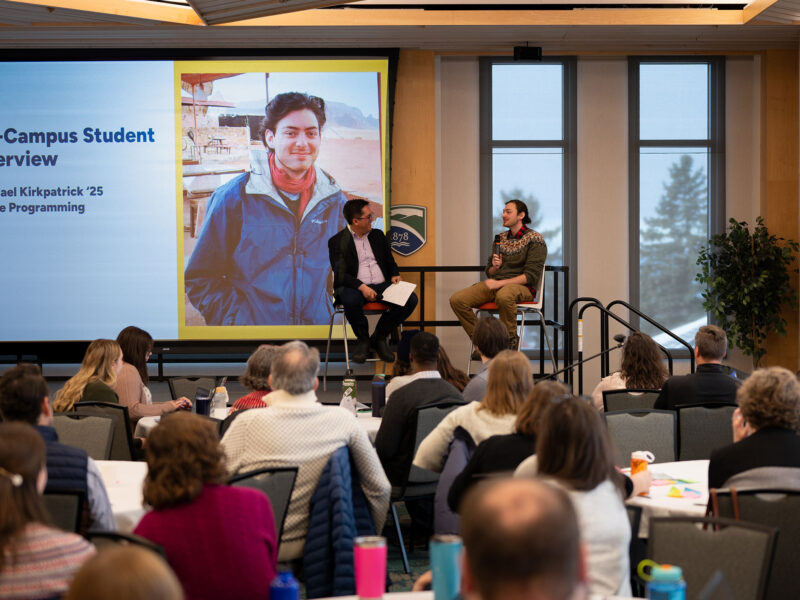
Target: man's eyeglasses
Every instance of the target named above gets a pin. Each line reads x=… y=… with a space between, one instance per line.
x=370 y=216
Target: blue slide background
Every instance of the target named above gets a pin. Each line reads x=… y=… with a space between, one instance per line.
x=83 y=276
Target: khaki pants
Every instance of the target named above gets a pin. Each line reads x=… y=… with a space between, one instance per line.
x=506 y=299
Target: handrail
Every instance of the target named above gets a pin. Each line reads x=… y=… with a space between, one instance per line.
x=657 y=325
x=605 y=314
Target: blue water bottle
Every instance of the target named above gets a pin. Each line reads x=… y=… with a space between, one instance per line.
x=378 y=394
x=665 y=582
x=284 y=587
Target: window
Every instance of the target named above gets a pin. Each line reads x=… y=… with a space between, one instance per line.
x=528 y=116
x=677 y=166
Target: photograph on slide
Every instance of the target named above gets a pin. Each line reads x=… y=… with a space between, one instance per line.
x=270 y=152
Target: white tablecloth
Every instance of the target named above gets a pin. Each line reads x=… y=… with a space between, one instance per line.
x=123 y=481
x=659 y=504
x=146 y=424
x=366 y=420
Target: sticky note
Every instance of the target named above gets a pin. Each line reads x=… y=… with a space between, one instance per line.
x=674 y=492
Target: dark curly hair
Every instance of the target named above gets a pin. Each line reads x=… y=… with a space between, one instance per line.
x=256 y=377
x=771 y=398
x=289 y=102
x=183 y=453
x=642 y=363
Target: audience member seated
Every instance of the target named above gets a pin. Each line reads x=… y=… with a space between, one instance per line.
x=503 y=453
x=256 y=378
x=95 y=380
x=521 y=542
x=36 y=561
x=24 y=398
x=125 y=573
x=220 y=540
x=765 y=427
x=709 y=384
x=404 y=373
x=395 y=439
x=574 y=451
x=299 y=431
x=510 y=382
x=642 y=368
x=131 y=384
x=490 y=337
x=449 y=373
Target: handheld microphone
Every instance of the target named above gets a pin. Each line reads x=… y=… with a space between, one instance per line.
x=496 y=244
x=619 y=338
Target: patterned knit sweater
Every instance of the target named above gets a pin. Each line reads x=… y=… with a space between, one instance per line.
x=298 y=431
x=42 y=563
x=525 y=255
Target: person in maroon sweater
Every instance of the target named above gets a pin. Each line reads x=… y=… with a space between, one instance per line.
x=219 y=540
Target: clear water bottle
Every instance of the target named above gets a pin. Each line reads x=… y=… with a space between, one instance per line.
x=666 y=583
x=284 y=587
x=220 y=398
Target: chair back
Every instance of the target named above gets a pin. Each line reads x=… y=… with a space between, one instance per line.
x=82 y=430
x=629 y=399
x=122 y=441
x=742 y=552
x=702 y=428
x=642 y=429
x=277 y=483
x=228 y=421
x=426 y=420
x=187 y=386
x=773 y=508
x=105 y=539
x=65 y=508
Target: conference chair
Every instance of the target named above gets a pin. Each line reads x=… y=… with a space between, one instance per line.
x=741 y=552
x=66 y=509
x=370 y=308
x=702 y=428
x=629 y=399
x=90 y=433
x=637 y=549
x=105 y=539
x=187 y=386
x=642 y=429
x=772 y=508
x=122 y=441
x=536 y=307
x=277 y=483
x=228 y=421
x=419 y=483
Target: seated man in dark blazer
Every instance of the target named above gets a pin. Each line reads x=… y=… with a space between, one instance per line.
x=363 y=267
x=709 y=384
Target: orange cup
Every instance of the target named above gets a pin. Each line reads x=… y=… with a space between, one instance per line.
x=639 y=461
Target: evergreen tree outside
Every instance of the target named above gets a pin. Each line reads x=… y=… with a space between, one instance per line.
x=669 y=245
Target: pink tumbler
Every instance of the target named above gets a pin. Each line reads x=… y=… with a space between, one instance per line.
x=369 y=555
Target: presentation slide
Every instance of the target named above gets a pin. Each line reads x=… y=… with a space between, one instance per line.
x=193 y=199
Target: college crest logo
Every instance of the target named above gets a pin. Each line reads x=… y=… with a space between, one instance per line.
x=409 y=228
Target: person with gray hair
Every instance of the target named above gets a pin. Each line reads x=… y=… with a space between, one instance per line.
x=298 y=431
x=709 y=384
x=256 y=377
x=765 y=428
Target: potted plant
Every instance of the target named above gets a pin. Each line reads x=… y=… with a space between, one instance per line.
x=747 y=279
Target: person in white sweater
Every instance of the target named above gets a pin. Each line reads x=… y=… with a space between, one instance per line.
x=298 y=431
x=573 y=450
x=510 y=382
x=642 y=368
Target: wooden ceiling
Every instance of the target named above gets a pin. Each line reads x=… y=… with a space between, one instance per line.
x=468 y=26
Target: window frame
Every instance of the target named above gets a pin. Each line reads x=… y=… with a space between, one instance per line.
x=567 y=144
x=715 y=144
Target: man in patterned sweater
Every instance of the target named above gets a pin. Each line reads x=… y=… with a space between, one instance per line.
x=298 y=431
x=514 y=269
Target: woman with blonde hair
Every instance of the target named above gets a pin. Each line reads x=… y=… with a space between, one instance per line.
x=36 y=560
x=510 y=382
x=95 y=380
x=201 y=522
